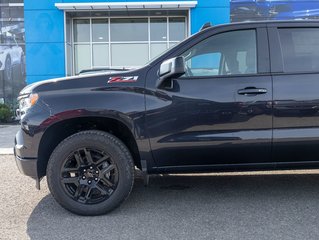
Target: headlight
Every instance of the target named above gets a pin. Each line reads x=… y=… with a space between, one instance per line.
x=26 y=102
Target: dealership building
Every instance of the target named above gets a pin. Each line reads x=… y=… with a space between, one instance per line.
x=62 y=38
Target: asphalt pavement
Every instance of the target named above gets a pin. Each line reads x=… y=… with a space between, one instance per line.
x=281 y=205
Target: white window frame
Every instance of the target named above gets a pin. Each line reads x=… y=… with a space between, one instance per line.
x=109 y=42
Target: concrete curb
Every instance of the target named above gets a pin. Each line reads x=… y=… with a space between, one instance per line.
x=6 y=151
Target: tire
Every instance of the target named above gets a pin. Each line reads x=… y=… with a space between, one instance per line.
x=90 y=173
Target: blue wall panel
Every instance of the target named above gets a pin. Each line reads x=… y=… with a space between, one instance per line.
x=40 y=4
x=47 y=59
x=44 y=27
x=37 y=78
x=213 y=3
x=216 y=15
x=75 y=1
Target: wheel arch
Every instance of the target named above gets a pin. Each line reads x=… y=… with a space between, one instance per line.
x=57 y=132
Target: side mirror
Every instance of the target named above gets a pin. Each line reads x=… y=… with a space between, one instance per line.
x=171 y=68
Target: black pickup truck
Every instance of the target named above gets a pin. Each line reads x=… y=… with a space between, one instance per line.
x=230 y=98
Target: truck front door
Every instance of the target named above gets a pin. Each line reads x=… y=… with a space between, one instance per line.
x=219 y=112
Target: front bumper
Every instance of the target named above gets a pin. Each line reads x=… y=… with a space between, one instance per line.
x=27 y=167
x=25 y=160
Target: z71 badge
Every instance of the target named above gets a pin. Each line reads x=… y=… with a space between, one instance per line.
x=119 y=79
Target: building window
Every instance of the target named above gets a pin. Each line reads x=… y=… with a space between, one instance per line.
x=123 y=42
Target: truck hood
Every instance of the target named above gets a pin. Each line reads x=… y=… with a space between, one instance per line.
x=84 y=81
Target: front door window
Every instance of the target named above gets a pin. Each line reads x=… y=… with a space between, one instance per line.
x=228 y=53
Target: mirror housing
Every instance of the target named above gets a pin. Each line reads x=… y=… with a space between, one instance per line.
x=171 y=68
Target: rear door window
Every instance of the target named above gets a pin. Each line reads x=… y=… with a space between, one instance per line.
x=300 y=49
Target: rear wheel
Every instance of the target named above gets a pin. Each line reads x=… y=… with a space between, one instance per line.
x=90 y=173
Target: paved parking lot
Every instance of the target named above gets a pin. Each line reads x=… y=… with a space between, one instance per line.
x=217 y=206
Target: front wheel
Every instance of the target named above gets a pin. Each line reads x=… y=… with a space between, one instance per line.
x=90 y=173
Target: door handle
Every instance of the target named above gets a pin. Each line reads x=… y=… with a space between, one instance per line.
x=252 y=91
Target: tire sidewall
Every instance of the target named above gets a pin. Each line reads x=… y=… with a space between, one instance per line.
x=96 y=140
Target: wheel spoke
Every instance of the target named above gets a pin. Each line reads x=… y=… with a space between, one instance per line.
x=68 y=170
x=107 y=169
x=78 y=191
x=107 y=181
x=101 y=189
x=78 y=158
x=88 y=156
x=70 y=180
x=101 y=160
x=87 y=194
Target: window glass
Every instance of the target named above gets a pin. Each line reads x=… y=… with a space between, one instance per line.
x=223 y=54
x=82 y=57
x=300 y=49
x=100 y=30
x=16 y=12
x=157 y=49
x=158 y=29
x=100 y=55
x=121 y=41
x=172 y=44
x=5 y=12
x=69 y=58
x=81 y=30
x=205 y=64
x=138 y=54
x=177 y=29
x=126 y=29
x=68 y=35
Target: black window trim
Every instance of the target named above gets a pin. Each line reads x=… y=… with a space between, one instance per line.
x=223 y=76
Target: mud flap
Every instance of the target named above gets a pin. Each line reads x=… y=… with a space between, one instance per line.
x=37 y=183
x=146 y=176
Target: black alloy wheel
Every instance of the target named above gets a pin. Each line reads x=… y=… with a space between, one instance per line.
x=89 y=176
